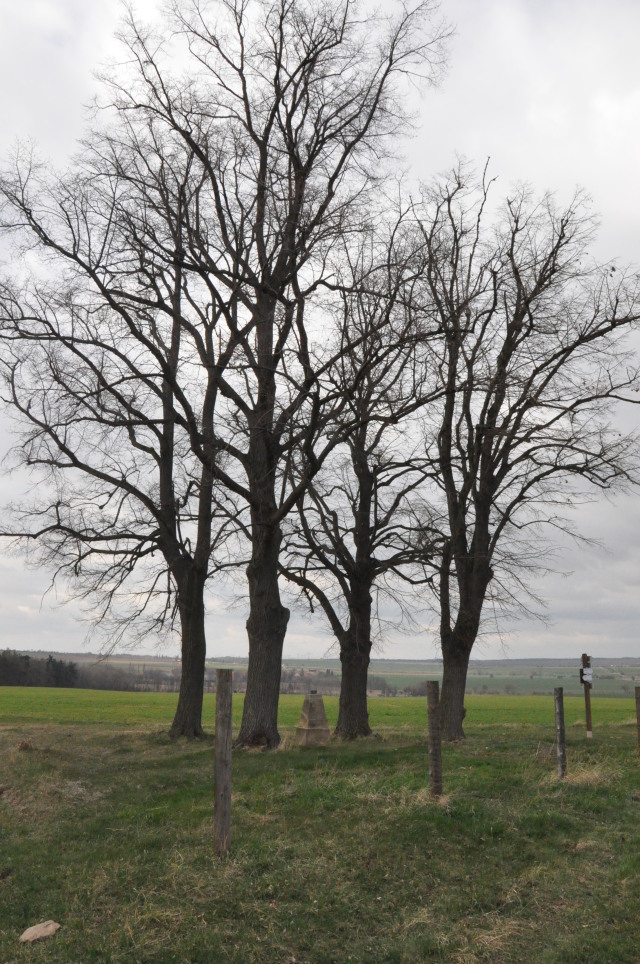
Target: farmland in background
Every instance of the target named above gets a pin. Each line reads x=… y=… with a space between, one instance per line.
x=516 y=677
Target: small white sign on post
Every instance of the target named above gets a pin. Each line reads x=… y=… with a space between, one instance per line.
x=587 y=675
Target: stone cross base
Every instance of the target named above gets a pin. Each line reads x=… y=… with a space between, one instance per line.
x=313 y=729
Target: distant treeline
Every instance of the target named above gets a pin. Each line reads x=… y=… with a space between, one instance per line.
x=22 y=670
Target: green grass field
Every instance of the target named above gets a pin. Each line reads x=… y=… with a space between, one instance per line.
x=338 y=854
x=63 y=706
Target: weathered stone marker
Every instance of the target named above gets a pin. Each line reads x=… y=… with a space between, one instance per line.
x=222 y=764
x=313 y=729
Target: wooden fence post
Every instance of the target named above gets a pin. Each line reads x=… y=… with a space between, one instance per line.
x=586 y=682
x=434 y=739
x=638 y=713
x=222 y=764
x=561 y=747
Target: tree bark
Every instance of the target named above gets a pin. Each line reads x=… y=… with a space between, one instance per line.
x=355 y=644
x=458 y=639
x=268 y=618
x=456 y=663
x=266 y=628
x=188 y=717
x=353 y=714
x=355 y=653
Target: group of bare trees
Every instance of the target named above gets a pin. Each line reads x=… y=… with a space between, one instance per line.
x=230 y=346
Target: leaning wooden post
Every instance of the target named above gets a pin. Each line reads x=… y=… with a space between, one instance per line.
x=561 y=747
x=586 y=676
x=638 y=714
x=434 y=739
x=222 y=765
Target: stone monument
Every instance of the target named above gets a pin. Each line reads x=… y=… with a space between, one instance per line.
x=313 y=729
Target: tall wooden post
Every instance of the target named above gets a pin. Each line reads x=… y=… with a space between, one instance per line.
x=638 y=714
x=434 y=739
x=222 y=764
x=585 y=678
x=561 y=747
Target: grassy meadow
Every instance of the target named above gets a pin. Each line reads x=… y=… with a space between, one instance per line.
x=338 y=854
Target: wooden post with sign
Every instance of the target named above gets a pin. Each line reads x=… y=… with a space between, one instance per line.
x=638 y=714
x=434 y=739
x=222 y=763
x=586 y=678
x=561 y=747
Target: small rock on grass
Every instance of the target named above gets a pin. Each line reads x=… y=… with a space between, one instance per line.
x=46 y=929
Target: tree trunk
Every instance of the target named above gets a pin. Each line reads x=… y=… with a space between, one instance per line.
x=268 y=618
x=353 y=715
x=266 y=628
x=355 y=650
x=188 y=717
x=355 y=644
x=454 y=681
x=457 y=642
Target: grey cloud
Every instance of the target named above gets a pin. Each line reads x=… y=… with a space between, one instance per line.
x=551 y=90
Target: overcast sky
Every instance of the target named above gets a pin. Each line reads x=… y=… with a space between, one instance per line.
x=550 y=90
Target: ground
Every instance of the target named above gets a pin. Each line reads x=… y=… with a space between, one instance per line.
x=337 y=853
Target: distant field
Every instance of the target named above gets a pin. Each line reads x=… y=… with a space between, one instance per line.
x=71 y=706
x=616 y=677
x=518 y=677
x=337 y=854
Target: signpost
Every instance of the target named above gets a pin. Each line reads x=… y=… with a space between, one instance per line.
x=586 y=678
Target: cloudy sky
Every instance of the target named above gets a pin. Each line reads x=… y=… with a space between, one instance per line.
x=550 y=91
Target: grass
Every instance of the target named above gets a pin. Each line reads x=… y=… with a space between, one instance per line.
x=338 y=853
x=71 y=706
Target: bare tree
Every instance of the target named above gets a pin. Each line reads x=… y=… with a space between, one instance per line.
x=534 y=364
x=360 y=539
x=287 y=109
x=110 y=356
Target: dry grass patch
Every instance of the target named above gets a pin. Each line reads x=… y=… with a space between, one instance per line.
x=424 y=918
x=587 y=774
x=528 y=887
x=588 y=845
x=501 y=935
